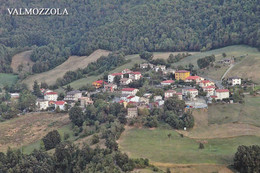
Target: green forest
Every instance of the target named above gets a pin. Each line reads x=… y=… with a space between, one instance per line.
x=130 y=26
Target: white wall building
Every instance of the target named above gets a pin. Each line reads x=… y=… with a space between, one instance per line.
x=51 y=96
x=42 y=104
x=111 y=77
x=129 y=91
x=234 y=81
x=222 y=94
x=190 y=91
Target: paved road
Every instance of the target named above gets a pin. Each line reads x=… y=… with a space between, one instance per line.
x=232 y=65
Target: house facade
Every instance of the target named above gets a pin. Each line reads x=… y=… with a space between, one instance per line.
x=73 y=96
x=135 y=75
x=97 y=84
x=51 y=96
x=42 y=104
x=110 y=87
x=222 y=94
x=190 y=91
x=84 y=101
x=132 y=112
x=60 y=105
x=169 y=93
x=167 y=82
x=234 y=81
x=125 y=81
x=205 y=83
x=181 y=74
x=196 y=79
x=112 y=76
x=129 y=91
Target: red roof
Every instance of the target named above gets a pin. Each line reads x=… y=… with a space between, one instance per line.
x=193 y=77
x=121 y=101
x=192 y=89
x=130 y=97
x=205 y=81
x=60 y=102
x=222 y=90
x=51 y=93
x=213 y=96
x=178 y=93
x=168 y=81
x=128 y=89
x=100 y=82
x=181 y=71
x=209 y=87
x=116 y=74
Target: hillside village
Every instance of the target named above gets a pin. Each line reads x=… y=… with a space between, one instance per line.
x=196 y=91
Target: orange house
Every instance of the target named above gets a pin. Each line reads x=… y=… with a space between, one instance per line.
x=98 y=83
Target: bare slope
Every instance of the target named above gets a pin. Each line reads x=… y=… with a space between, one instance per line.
x=23 y=59
x=72 y=64
x=29 y=128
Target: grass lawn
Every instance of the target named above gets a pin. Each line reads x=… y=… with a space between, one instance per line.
x=7 y=79
x=156 y=146
x=244 y=113
x=88 y=80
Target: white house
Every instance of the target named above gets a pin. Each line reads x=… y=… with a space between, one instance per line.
x=135 y=75
x=196 y=79
x=133 y=99
x=126 y=71
x=60 y=104
x=210 y=90
x=234 y=81
x=51 y=96
x=110 y=87
x=112 y=76
x=167 y=82
x=84 y=101
x=73 y=95
x=160 y=67
x=42 y=104
x=169 y=93
x=190 y=91
x=129 y=91
x=125 y=81
x=169 y=71
x=222 y=94
x=205 y=83
x=156 y=98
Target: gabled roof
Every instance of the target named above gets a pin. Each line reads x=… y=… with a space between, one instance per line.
x=193 y=77
x=60 y=102
x=100 y=82
x=170 y=91
x=168 y=81
x=51 y=93
x=209 y=87
x=128 y=89
x=206 y=81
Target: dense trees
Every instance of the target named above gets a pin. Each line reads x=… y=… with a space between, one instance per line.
x=247 y=159
x=132 y=26
x=206 y=61
x=51 y=140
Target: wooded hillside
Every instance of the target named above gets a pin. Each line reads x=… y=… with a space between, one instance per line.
x=132 y=26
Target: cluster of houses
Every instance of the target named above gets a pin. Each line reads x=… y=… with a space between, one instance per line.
x=130 y=96
x=50 y=100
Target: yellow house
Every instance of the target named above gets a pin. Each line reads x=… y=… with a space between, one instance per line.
x=98 y=83
x=181 y=74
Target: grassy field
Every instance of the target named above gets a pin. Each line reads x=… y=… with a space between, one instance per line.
x=28 y=129
x=156 y=146
x=88 y=80
x=72 y=64
x=7 y=79
x=236 y=113
x=24 y=59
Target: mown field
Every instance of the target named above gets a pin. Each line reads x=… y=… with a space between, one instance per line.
x=156 y=146
x=72 y=64
x=27 y=130
x=236 y=113
x=7 y=79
